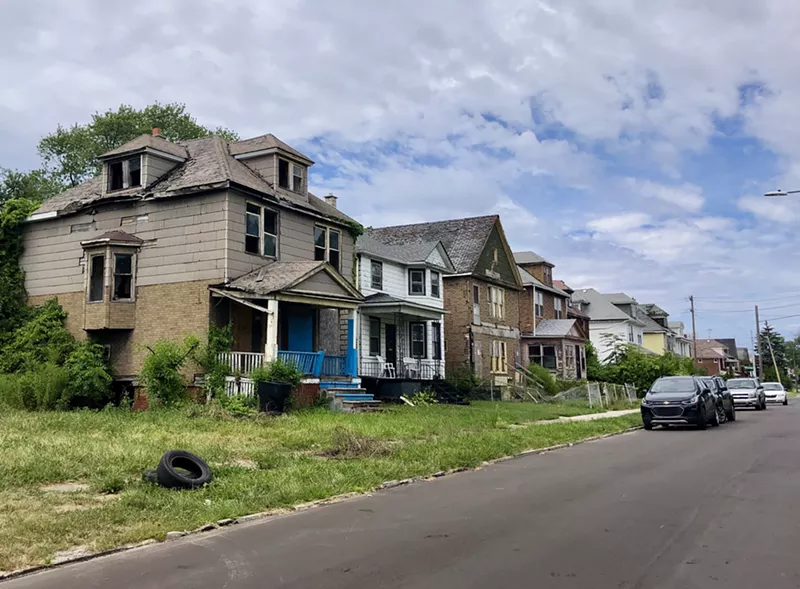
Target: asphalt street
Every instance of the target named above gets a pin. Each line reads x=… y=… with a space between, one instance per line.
x=660 y=509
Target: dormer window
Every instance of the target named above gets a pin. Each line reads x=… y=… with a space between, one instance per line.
x=291 y=176
x=125 y=173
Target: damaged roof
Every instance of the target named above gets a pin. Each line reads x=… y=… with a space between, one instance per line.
x=278 y=276
x=148 y=141
x=554 y=327
x=413 y=252
x=208 y=165
x=263 y=143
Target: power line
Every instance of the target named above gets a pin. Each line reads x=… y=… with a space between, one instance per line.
x=779 y=318
x=750 y=310
x=750 y=302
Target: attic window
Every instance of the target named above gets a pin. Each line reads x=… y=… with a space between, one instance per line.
x=283 y=174
x=291 y=176
x=125 y=173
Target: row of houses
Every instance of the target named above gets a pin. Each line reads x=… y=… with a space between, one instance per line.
x=173 y=237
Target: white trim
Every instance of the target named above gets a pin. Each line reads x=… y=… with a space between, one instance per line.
x=236 y=299
x=273 y=151
x=42 y=216
x=164 y=155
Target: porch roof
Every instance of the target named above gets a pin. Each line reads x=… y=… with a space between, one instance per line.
x=555 y=328
x=381 y=303
x=300 y=281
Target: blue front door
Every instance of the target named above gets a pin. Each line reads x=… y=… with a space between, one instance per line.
x=300 y=331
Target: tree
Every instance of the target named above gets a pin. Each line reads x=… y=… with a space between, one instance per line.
x=70 y=153
x=772 y=343
x=35 y=186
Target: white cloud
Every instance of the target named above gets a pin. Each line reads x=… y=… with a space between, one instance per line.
x=686 y=196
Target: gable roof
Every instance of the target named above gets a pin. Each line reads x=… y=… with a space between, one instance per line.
x=530 y=258
x=529 y=279
x=561 y=285
x=209 y=165
x=464 y=239
x=600 y=308
x=555 y=327
x=730 y=344
x=620 y=298
x=710 y=349
x=280 y=276
x=264 y=143
x=650 y=326
x=654 y=310
x=412 y=252
x=148 y=141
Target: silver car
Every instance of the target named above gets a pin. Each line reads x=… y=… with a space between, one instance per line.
x=747 y=392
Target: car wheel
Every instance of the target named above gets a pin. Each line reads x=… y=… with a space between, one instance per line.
x=715 y=422
x=764 y=404
x=648 y=426
x=702 y=420
x=785 y=401
x=758 y=407
x=732 y=414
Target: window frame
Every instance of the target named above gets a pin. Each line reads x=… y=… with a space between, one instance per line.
x=630 y=333
x=558 y=307
x=411 y=282
x=327 y=249
x=374 y=321
x=102 y=298
x=125 y=170
x=294 y=176
x=412 y=341
x=288 y=183
x=497 y=302
x=436 y=284
x=436 y=340
x=262 y=232
x=130 y=276
x=540 y=355
x=499 y=356
x=538 y=303
x=376 y=284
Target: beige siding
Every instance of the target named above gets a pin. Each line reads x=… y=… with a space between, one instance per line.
x=155 y=167
x=266 y=166
x=322 y=282
x=185 y=241
x=296 y=240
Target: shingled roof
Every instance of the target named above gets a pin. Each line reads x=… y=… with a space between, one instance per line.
x=144 y=141
x=278 y=276
x=464 y=239
x=415 y=252
x=266 y=142
x=208 y=165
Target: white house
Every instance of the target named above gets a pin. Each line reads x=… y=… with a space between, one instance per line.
x=683 y=345
x=401 y=333
x=608 y=320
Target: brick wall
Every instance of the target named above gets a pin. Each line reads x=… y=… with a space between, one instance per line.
x=526 y=310
x=712 y=365
x=458 y=302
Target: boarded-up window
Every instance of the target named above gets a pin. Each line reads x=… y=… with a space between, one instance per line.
x=97 y=278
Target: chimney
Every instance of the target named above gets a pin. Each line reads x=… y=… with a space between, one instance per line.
x=156 y=132
x=331 y=200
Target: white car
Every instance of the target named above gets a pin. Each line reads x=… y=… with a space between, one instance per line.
x=775 y=393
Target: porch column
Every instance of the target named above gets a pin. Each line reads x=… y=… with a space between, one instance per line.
x=271 y=345
x=351 y=357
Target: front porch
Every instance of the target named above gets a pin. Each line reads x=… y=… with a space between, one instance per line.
x=558 y=346
x=302 y=313
x=400 y=340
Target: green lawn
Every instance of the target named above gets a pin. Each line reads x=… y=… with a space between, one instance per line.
x=258 y=464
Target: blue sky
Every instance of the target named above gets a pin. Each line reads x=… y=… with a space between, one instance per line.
x=628 y=142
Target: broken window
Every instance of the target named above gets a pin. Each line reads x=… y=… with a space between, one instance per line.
x=125 y=174
x=123 y=277
x=327 y=246
x=543 y=356
x=283 y=174
x=96 y=278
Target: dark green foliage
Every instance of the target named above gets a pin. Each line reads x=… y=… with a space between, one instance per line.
x=463 y=379
x=277 y=371
x=161 y=372
x=70 y=153
x=89 y=379
x=42 y=339
x=239 y=405
x=544 y=378
x=220 y=340
x=13 y=308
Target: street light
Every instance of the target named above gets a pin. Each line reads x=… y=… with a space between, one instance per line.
x=781 y=192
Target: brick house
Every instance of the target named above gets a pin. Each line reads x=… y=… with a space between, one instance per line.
x=714 y=356
x=552 y=333
x=481 y=296
x=172 y=237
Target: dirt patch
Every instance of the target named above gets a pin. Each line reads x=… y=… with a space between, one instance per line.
x=66 y=488
x=71 y=554
x=349 y=444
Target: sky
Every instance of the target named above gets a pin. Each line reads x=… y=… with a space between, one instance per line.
x=628 y=142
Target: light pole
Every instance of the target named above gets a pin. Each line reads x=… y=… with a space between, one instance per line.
x=781 y=192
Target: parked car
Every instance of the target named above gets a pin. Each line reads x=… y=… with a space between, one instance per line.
x=679 y=400
x=747 y=392
x=725 y=405
x=775 y=393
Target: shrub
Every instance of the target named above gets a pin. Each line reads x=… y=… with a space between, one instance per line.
x=43 y=338
x=277 y=371
x=545 y=378
x=89 y=379
x=239 y=405
x=424 y=398
x=463 y=379
x=161 y=372
x=220 y=339
x=37 y=390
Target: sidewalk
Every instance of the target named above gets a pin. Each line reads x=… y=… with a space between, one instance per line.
x=589 y=417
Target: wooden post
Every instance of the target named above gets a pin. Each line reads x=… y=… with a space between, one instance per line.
x=271 y=345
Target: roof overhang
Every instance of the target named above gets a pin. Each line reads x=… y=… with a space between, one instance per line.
x=403 y=308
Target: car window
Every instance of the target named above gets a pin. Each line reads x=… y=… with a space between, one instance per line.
x=741 y=383
x=772 y=386
x=673 y=385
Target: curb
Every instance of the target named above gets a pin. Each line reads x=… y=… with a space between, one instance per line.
x=229 y=522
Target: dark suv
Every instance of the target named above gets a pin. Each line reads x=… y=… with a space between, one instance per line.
x=679 y=400
x=724 y=398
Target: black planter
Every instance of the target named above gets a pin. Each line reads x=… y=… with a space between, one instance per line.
x=272 y=396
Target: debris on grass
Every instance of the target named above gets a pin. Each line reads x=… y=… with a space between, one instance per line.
x=66 y=488
x=349 y=444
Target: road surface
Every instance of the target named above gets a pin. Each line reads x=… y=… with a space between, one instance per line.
x=661 y=509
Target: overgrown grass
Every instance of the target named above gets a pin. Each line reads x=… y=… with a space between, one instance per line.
x=258 y=464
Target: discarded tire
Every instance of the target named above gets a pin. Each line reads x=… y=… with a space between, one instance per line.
x=179 y=469
x=150 y=476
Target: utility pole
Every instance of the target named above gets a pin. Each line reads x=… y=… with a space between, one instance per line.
x=760 y=368
x=694 y=331
x=774 y=363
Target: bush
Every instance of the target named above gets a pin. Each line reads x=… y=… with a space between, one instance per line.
x=89 y=379
x=220 y=339
x=161 y=372
x=239 y=405
x=545 y=378
x=277 y=371
x=463 y=379
x=424 y=398
x=38 y=390
x=41 y=339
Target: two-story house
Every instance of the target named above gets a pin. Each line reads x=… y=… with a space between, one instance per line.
x=609 y=320
x=481 y=296
x=658 y=337
x=551 y=336
x=172 y=237
x=683 y=344
x=402 y=316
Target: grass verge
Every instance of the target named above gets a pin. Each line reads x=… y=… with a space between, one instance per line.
x=258 y=464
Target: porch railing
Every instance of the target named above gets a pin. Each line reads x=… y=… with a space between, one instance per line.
x=418 y=369
x=309 y=363
x=242 y=362
x=334 y=365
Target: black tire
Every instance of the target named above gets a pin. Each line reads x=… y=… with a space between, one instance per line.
x=786 y=401
x=194 y=471
x=732 y=414
x=764 y=404
x=759 y=407
x=715 y=422
x=648 y=426
x=150 y=476
x=702 y=419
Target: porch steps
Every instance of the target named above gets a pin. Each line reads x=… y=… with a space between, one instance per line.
x=351 y=400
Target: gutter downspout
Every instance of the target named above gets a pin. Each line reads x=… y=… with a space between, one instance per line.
x=534 y=310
